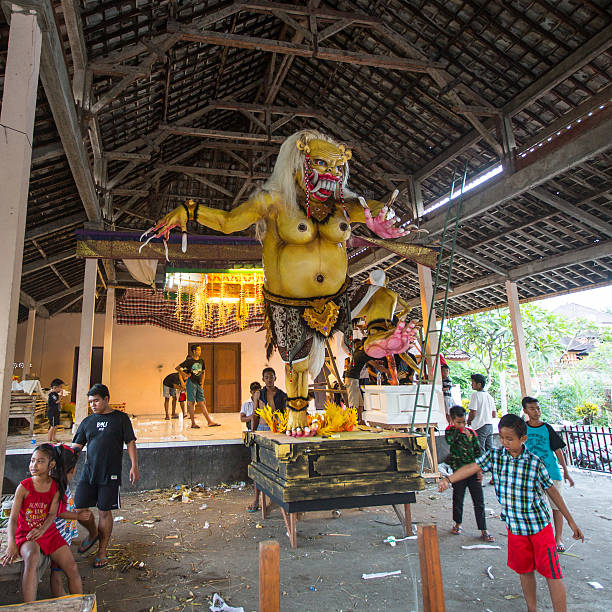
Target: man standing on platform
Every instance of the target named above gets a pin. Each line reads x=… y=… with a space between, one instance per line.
x=482 y=412
x=104 y=433
x=195 y=367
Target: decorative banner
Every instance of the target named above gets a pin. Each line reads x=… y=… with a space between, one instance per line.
x=149 y=307
x=204 y=296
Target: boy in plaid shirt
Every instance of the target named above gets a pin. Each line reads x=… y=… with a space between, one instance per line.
x=464 y=449
x=519 y=477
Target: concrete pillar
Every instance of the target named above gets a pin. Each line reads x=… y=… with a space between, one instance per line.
x=29 y=342
x=108 y=335
x=86 y=339
x=16 y=128
x=520 y=349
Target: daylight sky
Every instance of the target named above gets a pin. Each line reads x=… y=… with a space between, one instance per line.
x=600 y=299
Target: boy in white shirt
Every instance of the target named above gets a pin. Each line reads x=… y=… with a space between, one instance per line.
x=481 y=413
x=248 y=408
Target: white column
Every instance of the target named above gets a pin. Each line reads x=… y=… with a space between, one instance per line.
x=108 y=335
x=520 y=349
x=29 y=342
x=16 y=128
x=86 y=340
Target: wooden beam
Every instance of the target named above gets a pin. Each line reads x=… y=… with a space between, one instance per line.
x=117 y=70
x=478 y=259
x=573 y=211
x=307 y=11
x=299 y=111
x=592 y=48
x=67 y=305
x=286 y=48
x=518 y=335
x=570 y=154
x=47 y=152
x=29 y=302
x=55 y=226
x=131 y=192
x=61 y=294
x=49 y=261
x=485 y=111
x=164 y=45
x=205 y=133
x=583 y=55
x=212 y=171
x=431 y=570
x=579 y=112
x=120 y=155
x=210 y=184
x=269 y=576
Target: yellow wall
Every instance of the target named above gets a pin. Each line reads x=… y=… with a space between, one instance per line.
x=142 y=355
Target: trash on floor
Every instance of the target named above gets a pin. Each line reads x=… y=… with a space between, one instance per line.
x=381 y=575
x=219 y=605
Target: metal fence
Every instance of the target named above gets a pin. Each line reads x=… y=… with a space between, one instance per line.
x=589 y=447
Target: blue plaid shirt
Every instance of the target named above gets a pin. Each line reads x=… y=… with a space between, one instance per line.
x=519 y=484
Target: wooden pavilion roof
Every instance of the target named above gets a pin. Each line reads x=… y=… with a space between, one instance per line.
x=177 y=99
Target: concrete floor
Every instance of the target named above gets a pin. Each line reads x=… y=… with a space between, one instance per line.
x=189 y=552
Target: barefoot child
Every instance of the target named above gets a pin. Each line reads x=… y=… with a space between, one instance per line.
x=31 y=528
x=545 y=442
x=519 y=477
x=464 y=449
x=54 y=407
x=66 y=521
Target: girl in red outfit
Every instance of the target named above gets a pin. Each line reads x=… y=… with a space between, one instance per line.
x=31 y=528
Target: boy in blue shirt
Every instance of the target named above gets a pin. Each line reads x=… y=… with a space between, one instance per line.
x=545 y=442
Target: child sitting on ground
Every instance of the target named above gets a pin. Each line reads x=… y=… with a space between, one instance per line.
x=545 y=442
x=464 y=449
x=519 y=477
x=66 y=521
x=31 y=528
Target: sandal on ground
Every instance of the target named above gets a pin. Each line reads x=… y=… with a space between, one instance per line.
x=167 y=418
x=86 y=544
x=100 y=562
x=214 y=424
x=175 y=416
x=252 y=509
x=195 y=427
x=487 y=537
x=456 y=530
x=560 y=547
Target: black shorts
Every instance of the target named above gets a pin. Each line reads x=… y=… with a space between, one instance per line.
x=104 y=497
x=54 y=418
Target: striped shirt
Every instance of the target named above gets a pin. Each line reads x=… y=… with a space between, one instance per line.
x=519 y=484
x=67 y=527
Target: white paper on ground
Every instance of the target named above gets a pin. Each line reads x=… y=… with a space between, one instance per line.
x=219 y=605
x=477 y=546
x=595 y=585
x=381 y=575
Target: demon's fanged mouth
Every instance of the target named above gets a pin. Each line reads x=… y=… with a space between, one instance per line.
x=322 y=185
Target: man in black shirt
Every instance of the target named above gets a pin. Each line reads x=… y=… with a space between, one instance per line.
x=104 y=432
x=195 y=367
x=171 y=388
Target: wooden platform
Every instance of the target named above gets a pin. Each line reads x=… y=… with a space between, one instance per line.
x=346 y=470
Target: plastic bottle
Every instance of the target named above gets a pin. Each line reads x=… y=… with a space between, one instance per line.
x=33 y=443
x=378 y=378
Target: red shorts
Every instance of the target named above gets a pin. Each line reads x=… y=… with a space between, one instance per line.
x=49 y=542
x=534 y=552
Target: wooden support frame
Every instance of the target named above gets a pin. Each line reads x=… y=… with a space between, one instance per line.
x=269 y=576
x=195 y=34
x=431 y=570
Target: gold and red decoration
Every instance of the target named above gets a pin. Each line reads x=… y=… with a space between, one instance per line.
x=217 y=295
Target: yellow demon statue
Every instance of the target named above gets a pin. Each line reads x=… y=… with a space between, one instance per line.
x=303 y=214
